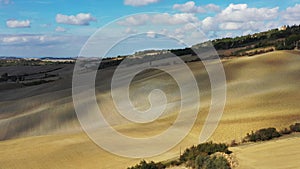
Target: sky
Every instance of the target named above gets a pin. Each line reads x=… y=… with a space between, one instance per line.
x=61 y=28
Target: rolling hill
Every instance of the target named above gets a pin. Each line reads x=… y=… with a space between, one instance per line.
x=39 y=128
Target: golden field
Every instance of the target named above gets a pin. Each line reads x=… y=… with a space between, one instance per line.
x=280 y=153
x=39 y=128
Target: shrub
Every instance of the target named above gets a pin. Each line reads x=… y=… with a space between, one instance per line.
x=263 y=135
x=233 y=143
x=144 y=165
x=285 y=131
x=198 y=157
x=216 y=163
x=206 y=148
x=211 y=148
x=175 y=163
x=295 y=127
x=200 y=160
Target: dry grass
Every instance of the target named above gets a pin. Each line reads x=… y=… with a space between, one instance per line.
x=262 y=91
x=281 y=153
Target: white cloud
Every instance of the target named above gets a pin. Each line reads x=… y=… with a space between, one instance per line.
x=209 y=24
x=12 y=23
x=175 y=19
x=213 y=7
x=130 y=31
x=159 y=19
x=230 y=25
x=79 y=19
x=13 y=39
x=45 y=45
x=135 y=20
x=60 y=29
x=292 y=15
x=190 y=7
x=164 y=23
x=28 y=39
x=139 y=2
x=241 y=13
x=241 y=17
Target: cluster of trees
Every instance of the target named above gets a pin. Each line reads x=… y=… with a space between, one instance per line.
x=200 y=156
x=270 y=133
x=24 y=62
x=151 y=165
x=26 y=77
x=281 y=39
x=206 y=148
x=237 y=42
x=206 y=162
x=109 y=63
x=182 y=52
x=263 y=135
x=251 y=52
x=291 y=42
x=5 y=77
x=287 y=39
x=197 y=157
x=203 y=155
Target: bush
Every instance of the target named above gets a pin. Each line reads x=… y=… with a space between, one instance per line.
x=285 y=131
x=263 y=135
x=200 y=160
x=175 y=163
x=216 y=163
x=197 y=156
x=144 y=165
x=233 y=143
x=295 y=127
x=206 y=148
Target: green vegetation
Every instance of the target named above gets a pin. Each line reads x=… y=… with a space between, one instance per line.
x=25 y=62
x=182 y=52
x=200 y=156
x=33 y=78
x=295 y=127
x=270 y=133
x=205 y=148
x=252 y=51
x=206 y=162
x=213 y=156
x=285 y=131
x=249 y=45
x=263 y=135
x=151 y=165
x=287 y=39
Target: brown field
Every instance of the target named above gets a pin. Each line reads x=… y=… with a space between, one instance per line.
x=39 y=129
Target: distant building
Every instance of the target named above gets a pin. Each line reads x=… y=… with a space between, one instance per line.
x=141 y=54
x=59 y=60
x=283 y=28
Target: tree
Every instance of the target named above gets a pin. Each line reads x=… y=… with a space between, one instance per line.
x=151 y=165
x=216 y=163
x=200 y=160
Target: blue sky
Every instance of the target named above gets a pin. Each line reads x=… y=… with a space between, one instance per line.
x=35 y=28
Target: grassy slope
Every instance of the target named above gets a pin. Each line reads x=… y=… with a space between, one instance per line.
x=281 y=153
x=262 y=92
